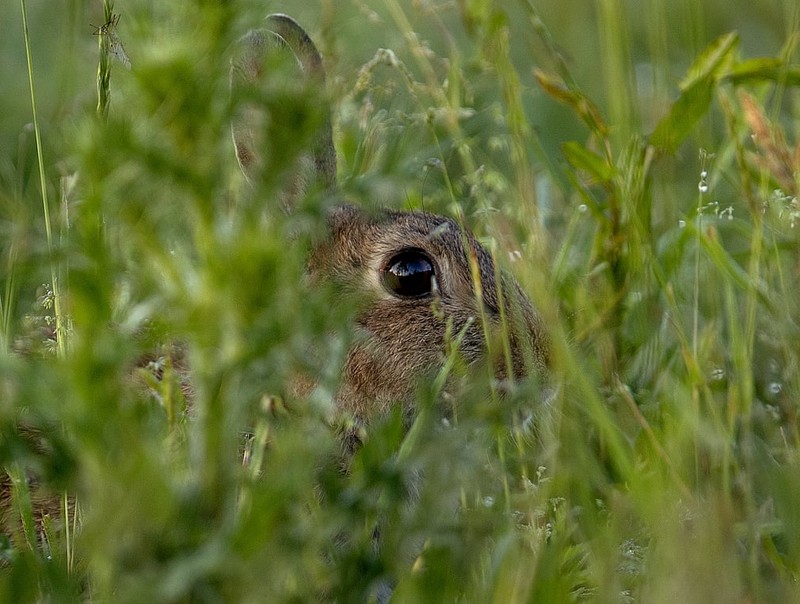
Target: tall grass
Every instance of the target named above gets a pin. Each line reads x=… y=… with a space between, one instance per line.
x=644 y=192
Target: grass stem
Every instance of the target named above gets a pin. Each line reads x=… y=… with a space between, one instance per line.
x=61 y=334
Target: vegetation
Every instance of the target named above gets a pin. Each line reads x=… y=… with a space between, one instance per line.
x=635 y=165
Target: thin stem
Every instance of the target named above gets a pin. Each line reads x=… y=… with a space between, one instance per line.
x=60 y=332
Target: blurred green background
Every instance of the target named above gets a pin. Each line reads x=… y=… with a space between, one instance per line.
x=666 y=467
x=659 y=40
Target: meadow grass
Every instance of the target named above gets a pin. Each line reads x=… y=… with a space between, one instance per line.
x=635 y=167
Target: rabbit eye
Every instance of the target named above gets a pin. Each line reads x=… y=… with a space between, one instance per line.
x=409 y=274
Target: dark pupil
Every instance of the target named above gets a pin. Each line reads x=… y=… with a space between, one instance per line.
x=409 y=275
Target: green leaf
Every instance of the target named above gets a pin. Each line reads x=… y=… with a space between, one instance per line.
x=697 y=91
x=769 y=69
x=710 y=63
x=683 y=115
x=575 y=99
x=583 y=159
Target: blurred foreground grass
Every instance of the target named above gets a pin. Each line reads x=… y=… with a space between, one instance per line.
x=636 y=167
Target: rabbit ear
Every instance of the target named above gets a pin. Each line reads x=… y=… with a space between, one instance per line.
x=248 y=69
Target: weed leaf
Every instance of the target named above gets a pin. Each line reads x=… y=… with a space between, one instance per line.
x=583 y=159
x=697 y=92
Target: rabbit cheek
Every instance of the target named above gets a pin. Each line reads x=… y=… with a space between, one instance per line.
x=527 y=336
x=404 y=343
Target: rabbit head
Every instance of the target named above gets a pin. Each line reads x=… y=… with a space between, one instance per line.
x=423 y=277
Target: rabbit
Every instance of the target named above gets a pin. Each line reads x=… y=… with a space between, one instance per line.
x=414 y=267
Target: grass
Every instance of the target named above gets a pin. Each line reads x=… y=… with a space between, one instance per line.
x=639 y=172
